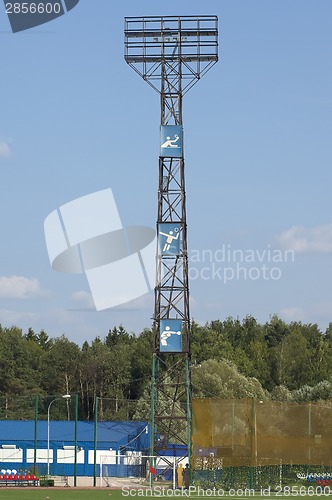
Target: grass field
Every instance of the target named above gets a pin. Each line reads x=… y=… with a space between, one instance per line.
x=58 y=494
x=96 y=494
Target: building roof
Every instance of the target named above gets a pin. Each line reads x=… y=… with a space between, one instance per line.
x=119 y=433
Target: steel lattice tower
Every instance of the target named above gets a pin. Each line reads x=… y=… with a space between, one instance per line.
x=171 y=54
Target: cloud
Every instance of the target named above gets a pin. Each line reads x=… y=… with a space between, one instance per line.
x=5 y=151
x=319 y=313
x=141 y=303
x=8 y=317
x=303 y=239
x=144 y=302
x=19 y=287
x=289 y=314
x=85 y=298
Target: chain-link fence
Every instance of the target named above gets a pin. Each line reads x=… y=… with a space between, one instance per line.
x=257 y=443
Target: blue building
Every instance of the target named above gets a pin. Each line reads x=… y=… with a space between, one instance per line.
x=24 y=445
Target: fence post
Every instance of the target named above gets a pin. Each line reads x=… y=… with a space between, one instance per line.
x=233 y=423
x=95 y=443
x=309 y=434
x=253 y=444
x=152 y=464
x=75 y=457
x=35 y=438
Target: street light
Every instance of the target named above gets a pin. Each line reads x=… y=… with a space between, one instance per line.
x=65 y=396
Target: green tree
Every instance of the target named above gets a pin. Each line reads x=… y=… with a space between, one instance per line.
x=292 y=361
x=221 y=379
x=60 y=368
x=140 y=364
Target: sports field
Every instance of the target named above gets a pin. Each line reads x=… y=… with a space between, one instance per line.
x=58 y=494
x=96 y=494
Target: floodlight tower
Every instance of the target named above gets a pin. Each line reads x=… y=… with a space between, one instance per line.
x=171 y=54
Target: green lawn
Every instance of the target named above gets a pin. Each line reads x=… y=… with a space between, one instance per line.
x=63 y=494
x=97 y=494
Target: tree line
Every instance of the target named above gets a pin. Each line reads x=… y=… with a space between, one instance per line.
x=230 y=359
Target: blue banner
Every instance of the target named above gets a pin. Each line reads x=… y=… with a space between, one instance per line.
x=171 y=139
x=169 y=238
x=170 y=335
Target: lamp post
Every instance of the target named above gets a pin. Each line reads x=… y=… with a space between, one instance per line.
x=75 y=458
x=65 y=396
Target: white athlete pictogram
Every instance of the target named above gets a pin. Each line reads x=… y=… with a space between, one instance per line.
x=171 y=143
x=166 y=334
x=169 y=239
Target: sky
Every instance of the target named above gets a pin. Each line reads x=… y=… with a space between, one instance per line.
x=76 y=119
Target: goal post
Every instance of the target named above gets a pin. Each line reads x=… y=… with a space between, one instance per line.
x=136 y=468
x=131 y=466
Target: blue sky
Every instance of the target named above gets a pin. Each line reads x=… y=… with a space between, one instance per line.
x=75 y=119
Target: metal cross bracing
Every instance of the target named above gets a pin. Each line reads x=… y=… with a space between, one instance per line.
x=171 y=54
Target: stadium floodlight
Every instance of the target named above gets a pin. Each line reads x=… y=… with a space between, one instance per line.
x=171 y=54
x=65 y=396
